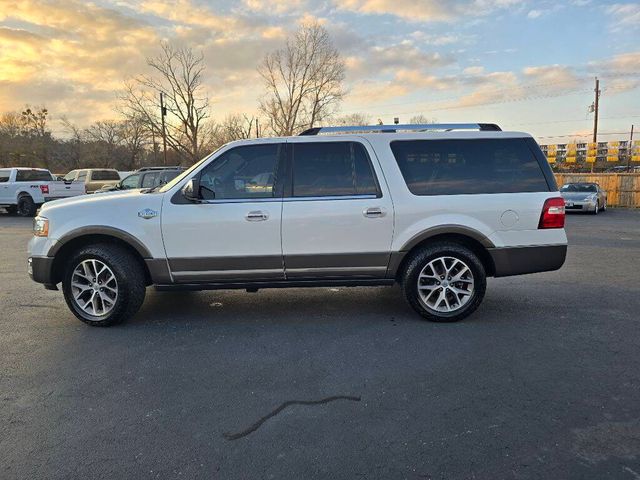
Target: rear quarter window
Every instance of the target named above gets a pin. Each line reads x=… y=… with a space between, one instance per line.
x=4 y=175
x=33 y=176
x=105 y=175
x=459 y=167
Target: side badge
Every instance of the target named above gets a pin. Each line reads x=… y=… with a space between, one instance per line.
x=147 y=213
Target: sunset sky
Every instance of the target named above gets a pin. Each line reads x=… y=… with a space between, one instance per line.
x=526 y=65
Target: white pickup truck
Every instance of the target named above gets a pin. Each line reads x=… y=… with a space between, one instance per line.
x=24 y=190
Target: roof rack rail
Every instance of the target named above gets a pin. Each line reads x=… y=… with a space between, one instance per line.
x=144 y=169
x=492 y=127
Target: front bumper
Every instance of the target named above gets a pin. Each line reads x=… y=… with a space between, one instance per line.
x=581 y=206
x=41 y=270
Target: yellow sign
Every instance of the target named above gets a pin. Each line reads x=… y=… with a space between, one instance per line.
x=612 y=158
x=551 y=159
x=614 y=144
x=592 y=145
x=636 y=158
x=591 y=159
x=551 y=154
x=571 y=159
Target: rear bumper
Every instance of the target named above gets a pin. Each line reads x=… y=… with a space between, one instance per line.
x=41 y=270
x=520 y=260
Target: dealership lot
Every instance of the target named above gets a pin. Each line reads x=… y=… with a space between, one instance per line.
x=543 y=381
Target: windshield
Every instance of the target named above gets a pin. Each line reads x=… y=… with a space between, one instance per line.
x=185 y=174
x=579 y=187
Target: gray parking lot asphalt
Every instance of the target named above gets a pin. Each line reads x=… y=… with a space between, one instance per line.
x=543 y=381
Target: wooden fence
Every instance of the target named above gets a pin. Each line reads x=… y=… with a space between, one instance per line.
x=623 y=189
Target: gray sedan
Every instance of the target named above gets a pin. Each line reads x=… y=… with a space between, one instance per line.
x=584 y=197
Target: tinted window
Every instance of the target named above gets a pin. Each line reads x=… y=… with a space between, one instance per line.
x=332 y=168
x=33 y=176
x=131 y=181
x=450 y=167
x=576 y=187
x=149 y=179
x=4 y=175
x=242 y=172
x=105 y=175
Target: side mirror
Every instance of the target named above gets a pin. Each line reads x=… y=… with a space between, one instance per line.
x=191 y=190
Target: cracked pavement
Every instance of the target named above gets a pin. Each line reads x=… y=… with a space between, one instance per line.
x=543 y=381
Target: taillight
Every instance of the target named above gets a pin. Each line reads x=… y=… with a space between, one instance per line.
x=552 y=215
x=44 y=188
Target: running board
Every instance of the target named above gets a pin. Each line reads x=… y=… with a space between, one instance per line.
x=253 y=286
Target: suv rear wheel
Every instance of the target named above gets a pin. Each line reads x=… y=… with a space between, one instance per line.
x=444 y=282
x=103 y=285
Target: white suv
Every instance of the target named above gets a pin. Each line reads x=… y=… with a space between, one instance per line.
x=436 y=208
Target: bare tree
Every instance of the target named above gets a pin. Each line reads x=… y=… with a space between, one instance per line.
x=11 y=124
x=177 y=74
x=74 y=144
x=134 y=137
x=35 y=128
x=106 y=136
x=356 y=119
x=421 y=119
x=303 y=81
x=233 y=127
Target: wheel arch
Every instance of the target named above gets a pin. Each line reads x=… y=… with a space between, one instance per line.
x=471 y=239
x=85 y=236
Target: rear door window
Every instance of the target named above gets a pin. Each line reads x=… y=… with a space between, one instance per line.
x=458 y=167
x=322 y=169
x=4 y=175
x=33 y=176
x=105 y=175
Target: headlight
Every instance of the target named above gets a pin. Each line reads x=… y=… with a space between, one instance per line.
x=41 y=227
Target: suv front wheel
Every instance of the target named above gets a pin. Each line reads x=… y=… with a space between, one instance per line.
x=104 y=284
x=444 y=282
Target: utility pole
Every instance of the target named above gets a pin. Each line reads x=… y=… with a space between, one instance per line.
x=630 y=150
x=257 y=129
x=595 y=107
x=163 y=112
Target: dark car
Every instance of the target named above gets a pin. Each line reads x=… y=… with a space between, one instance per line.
x=147 y=177
x=585 y=197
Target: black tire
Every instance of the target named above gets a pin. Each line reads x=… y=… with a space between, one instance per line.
x=421 y=258
x=26 y=206
x=131 y=285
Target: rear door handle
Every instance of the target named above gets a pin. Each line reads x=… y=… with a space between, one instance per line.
x=256 y=216
x=374 y=212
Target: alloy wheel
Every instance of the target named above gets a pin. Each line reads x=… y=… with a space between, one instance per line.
x=94 y=287
x=445 y=284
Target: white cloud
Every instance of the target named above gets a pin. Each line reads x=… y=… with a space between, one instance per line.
x=426 y=10
x=624 y=15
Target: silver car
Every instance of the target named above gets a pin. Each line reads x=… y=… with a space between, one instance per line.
x=584 y=197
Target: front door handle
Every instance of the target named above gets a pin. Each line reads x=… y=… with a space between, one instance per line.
x=374 y=212
x=256 y=216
